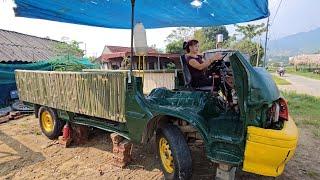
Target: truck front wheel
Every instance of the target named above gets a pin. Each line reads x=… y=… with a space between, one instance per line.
x=173 y=152
x=50 y=125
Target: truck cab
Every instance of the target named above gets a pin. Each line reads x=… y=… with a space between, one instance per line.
x=240 y=126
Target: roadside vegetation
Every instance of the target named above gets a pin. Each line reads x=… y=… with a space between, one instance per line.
x=305 y=110
x=306 y=74
x=301 y=71
x=280 y=81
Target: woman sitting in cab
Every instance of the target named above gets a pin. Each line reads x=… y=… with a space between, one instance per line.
x=197 y=66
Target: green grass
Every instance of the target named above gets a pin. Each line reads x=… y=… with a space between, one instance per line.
x=316 y=132
x=306 y=74
x=280 y=81
x=305 y=110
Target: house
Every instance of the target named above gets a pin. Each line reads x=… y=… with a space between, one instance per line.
x=114 y=57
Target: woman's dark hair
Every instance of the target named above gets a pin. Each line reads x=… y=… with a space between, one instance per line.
x=186 y=45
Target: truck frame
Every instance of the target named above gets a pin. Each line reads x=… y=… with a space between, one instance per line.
x=255 y=133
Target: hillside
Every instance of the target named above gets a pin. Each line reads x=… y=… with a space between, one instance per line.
x=304 y=42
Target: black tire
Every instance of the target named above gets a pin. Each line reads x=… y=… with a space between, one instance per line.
x=54 y=129
x=182 y=162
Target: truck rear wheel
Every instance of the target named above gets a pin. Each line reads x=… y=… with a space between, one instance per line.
x=173 y=152
x=50 y=125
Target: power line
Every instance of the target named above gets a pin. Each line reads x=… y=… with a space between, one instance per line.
x=268 y=26
x=275 y=15
x=266 y=44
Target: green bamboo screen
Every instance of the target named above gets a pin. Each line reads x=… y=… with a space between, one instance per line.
x=98 y=94
x=152 y=78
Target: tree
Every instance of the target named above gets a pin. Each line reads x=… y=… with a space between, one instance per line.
x=177 y=37
x=93 y=59
x=154 y=46
x=181 y=34
x=246 y=45
x=68 y=49
x=230 y=42
x=69 y=57
x=175 y=47
x=251 y=49
x=250 y=31
x=210 y=33
x=207 y=36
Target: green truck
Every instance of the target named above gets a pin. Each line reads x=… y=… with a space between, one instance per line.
x=246 y=125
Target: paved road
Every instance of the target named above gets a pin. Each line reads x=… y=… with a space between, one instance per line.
x=302 y=85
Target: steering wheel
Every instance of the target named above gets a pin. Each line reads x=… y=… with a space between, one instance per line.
x=216 y=66
x=220 y=69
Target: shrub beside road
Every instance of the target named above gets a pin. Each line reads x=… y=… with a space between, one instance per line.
x=306 y=74
x=301 y=72
x=280 y=81
x=305 y=110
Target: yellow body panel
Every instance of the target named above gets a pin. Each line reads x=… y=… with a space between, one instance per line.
x=268 y=150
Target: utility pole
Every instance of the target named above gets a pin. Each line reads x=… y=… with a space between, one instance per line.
x=266 y=43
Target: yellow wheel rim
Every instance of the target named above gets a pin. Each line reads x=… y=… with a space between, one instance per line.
x=47 y=121
x=166 y=155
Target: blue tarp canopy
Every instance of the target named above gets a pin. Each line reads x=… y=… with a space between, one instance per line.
x=152 y=13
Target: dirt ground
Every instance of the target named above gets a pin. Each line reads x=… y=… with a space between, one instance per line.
x=27 y=154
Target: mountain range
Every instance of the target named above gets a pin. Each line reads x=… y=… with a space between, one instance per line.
x=303 y=42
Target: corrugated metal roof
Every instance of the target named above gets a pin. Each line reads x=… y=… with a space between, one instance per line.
x=16 y=46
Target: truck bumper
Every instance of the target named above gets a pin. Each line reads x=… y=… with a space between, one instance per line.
x=267 y=150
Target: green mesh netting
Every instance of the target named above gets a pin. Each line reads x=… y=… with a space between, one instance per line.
x=71 y=63
x=62 y=63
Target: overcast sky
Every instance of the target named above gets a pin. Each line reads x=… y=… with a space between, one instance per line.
x=293 y=16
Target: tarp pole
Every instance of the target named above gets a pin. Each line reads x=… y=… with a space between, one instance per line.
x=158 y=62
x=132 y=24
x=266 y=44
